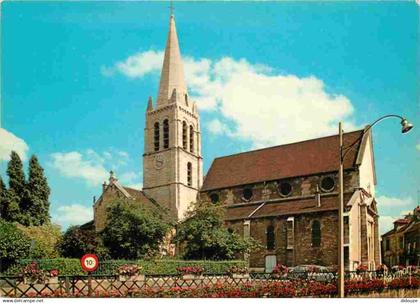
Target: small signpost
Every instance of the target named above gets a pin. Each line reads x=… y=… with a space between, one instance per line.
x=89 y=263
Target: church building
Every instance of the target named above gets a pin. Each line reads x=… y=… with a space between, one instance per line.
x=286 y=197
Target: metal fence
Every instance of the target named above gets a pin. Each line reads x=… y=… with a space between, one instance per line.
x=97 y=285
x=90 y=285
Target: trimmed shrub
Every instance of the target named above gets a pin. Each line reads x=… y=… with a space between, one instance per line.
x=158 y=267
x=210 y=267
x=65 y=266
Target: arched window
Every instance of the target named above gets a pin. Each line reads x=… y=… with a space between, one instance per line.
x=156 y=136
x=189 y=174
x=184 y=135
x=191 y=138
x=316 y=233
x=270 y=237
x=165 y=133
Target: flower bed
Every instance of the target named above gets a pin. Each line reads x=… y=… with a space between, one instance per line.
x=32 y=274
x=130 y=272
x=404 y=283
x=279 y=271
x=190 y=272
x=237 y=272
x=224 y=288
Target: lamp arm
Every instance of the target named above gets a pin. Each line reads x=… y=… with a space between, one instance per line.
x=345 y=150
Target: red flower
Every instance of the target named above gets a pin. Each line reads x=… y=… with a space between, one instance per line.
x=54 y=273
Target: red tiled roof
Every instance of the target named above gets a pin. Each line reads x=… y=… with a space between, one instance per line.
x=401 y=221
x=280 y=208
x=284 y=161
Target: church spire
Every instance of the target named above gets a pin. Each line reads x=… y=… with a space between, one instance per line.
x=172 y=76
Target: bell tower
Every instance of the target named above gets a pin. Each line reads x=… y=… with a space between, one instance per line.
x=172 y=162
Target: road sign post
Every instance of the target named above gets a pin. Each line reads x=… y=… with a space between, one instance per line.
x=89 y=263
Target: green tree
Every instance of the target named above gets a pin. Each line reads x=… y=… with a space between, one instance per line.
x=16 y=174
x=132 y=230
x=16 y=193
x=38 y=192
x=77 y=241
x=14 y=245
x=3 y=196
x=44 y=239
x=9 y=204
x=203 y=236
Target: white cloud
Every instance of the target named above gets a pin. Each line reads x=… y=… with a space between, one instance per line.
x=131 y=179
x=9 y=142
x=386 y=224
x=391 y=209
x=76 y=165
x=258 y=104
x=267 y=108
x=385 y=202
x=94 y=167
x=137 y=65
x=216 y=127
x=74 y=214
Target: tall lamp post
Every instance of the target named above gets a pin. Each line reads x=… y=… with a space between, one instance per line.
x=406 y=127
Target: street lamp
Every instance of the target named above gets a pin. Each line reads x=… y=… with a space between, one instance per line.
x=406 y=127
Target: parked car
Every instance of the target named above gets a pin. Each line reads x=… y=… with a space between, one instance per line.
x=311 y=272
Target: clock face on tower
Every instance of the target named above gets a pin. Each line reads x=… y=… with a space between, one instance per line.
x=158 y=161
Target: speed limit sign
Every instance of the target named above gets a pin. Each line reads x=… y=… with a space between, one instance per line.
x=89 y=262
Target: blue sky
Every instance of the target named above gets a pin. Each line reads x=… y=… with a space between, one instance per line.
x=76 y=77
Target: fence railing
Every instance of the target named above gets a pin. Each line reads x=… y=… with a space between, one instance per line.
x=114 y=285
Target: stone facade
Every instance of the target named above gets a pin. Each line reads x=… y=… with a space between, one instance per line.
x=292 y=216
x=172 y=162
x=400 y=246
x=114 y=191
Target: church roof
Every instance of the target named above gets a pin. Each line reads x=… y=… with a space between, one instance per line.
x=309 y=157
x=141 y=197
x=172 y=75
x=276 y=208
x=129 y=193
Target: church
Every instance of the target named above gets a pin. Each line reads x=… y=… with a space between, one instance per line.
x=286 y=197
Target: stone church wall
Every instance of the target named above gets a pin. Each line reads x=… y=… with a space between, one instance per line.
x=303 y=252
x=301 y=186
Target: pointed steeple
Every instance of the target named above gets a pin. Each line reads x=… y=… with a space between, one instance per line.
x=172 y=76
x=150 y=104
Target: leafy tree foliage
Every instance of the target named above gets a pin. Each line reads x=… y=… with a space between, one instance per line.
x=203 y=236
x=3 y=197
x=43 y=240
x=25 y=202
x=9 y=204
x=38 y=193
x=16 y=192
x=14 y=245
x=132 y=231
x=16 y=174
x=78 y=241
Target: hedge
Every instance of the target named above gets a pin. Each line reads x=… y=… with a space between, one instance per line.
x=68 y=266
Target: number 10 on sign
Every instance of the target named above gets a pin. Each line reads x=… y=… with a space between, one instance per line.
x=89 y=262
